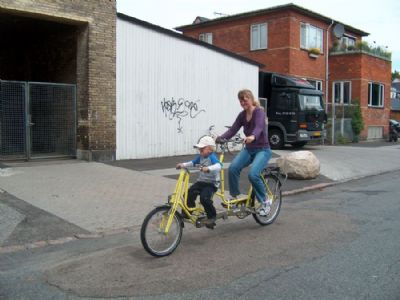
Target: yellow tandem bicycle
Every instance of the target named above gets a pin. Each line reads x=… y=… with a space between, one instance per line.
x=162 y=228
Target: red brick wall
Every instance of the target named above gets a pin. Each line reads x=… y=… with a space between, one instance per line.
x=235 y=36
x=361 y=69
x=283 y=54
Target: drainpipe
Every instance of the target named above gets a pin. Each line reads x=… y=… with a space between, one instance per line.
x=327 y=83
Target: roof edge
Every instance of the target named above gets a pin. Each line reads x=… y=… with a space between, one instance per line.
x=186 y=38
x=272 y=9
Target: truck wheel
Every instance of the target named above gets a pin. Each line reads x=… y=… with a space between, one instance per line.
x=298 y=145
x=276 y=139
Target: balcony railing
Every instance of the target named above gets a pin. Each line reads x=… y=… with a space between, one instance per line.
x=362 y=47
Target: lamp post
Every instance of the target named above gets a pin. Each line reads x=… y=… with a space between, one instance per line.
x=327 y=82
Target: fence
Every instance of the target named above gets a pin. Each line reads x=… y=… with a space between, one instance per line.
x=37 y=120
x=343 y=115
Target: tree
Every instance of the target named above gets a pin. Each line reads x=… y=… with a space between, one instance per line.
x=395 y=74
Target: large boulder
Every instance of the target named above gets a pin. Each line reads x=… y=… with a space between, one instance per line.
x=299 y=165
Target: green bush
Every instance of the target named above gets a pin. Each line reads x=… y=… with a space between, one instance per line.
x=362 y=45
x=357 y=122
x=341 y=140
x=351 y=48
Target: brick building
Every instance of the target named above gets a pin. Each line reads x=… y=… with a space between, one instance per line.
x=284 y=38
x=57 y=70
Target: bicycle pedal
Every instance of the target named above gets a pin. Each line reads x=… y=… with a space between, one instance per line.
x=236 y=209
x=201 y=218
x=233 y=208
x=198 y=224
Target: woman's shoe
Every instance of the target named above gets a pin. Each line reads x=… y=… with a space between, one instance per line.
x=265 y=208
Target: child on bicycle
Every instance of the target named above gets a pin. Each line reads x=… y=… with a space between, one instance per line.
x=208 y=180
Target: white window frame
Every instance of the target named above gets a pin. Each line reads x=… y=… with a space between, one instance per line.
x=393 y=93
x=256 y=37
x=318 y=84
x=348 y=40
x=308 y=41
x=206 y=37
x=341 y=96
x=381 y=100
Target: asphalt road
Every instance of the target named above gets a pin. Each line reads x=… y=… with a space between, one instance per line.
x=342 y=242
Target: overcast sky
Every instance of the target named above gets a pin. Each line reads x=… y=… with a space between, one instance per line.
x=379 y=18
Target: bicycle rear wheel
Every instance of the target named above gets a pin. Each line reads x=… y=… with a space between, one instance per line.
x=152 y=234
x=274 y=186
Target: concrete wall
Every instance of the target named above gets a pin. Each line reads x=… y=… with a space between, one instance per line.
x=170 y=90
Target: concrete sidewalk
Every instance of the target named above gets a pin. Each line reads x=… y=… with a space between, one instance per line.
x=97 y=197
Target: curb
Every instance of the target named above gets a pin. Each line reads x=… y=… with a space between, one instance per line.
x=318 y=186
x=61 y=241
x=321 y=186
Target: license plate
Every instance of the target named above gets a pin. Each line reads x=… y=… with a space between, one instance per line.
x=317 y=133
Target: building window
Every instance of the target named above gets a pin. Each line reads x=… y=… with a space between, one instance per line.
x=258 y=36
x=375 y=94
x=206 y=37
x=316 y=83
x=311 y=37
x=347 y=41
x=342 y=92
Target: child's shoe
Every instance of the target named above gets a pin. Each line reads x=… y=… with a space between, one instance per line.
x=210 y=223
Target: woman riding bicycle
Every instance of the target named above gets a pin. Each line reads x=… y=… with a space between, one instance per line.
x=256 y=152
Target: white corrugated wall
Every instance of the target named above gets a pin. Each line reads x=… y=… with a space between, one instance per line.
x=170 y=91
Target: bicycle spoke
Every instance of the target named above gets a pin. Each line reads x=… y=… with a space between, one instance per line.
x=153 y=236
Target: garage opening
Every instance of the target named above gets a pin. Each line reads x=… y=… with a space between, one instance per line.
x=38 y=75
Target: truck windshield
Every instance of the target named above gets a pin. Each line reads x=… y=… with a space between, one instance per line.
x=310 y=102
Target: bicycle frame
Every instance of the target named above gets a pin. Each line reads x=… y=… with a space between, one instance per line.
x=180 y=196
x=179 y=199
x=161 y=231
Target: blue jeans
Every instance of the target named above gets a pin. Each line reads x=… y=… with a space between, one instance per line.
x=258 y=158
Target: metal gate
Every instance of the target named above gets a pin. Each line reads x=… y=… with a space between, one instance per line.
x=37 y=120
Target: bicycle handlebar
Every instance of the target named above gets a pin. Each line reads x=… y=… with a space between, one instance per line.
x=192 y=168
x=236 y=140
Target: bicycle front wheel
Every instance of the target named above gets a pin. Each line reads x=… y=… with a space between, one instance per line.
x=152 y=234
x=274 y=190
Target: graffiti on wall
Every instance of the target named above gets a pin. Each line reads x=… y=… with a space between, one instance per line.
x=180 y=109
